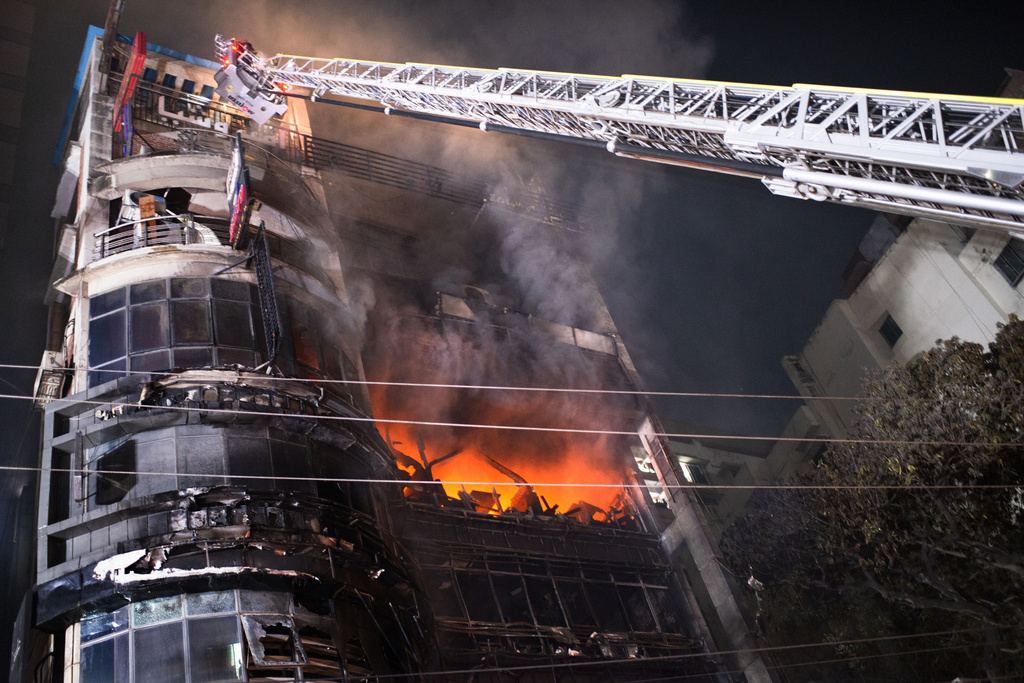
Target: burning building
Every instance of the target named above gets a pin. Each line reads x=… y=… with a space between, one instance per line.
x=282 y=444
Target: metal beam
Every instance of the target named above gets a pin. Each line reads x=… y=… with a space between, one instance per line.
x=946 y=156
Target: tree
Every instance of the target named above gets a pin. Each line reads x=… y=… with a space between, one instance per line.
x=915 y=525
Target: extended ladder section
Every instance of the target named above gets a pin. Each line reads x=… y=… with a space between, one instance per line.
x=952 y=158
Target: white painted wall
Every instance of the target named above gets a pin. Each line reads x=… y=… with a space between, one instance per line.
x=933 y=285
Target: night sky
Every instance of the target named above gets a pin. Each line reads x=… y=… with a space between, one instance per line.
x=710 y=279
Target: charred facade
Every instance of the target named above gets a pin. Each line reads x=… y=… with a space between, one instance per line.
x=224 y=495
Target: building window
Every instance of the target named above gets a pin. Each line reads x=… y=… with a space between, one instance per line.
x=170 y=81
x=1010 y=261
x=891 y=332
x=216 y=636
x=206 y=92
x=188 y=87
x=202 y=323
x=149 y=75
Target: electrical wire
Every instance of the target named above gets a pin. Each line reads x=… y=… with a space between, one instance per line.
x=791 y=665
x=692 y=655
x=588 y=485
x=529 y=428
x=486 y=387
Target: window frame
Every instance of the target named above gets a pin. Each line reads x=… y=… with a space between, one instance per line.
x=1010 y=262
x=890 y=330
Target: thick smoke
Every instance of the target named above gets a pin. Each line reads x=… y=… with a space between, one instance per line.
x=527 y=265
x=585 y=36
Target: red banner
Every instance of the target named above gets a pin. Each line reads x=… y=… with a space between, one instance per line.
x=132 y=71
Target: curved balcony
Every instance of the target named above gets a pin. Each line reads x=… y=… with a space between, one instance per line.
x=165 y=229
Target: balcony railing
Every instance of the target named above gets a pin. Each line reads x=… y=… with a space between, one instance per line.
x=163 y=229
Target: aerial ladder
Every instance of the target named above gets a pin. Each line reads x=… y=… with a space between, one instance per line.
x=951 y=158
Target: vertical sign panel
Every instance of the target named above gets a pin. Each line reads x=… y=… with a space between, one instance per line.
x=136 y=63
x=239 y=194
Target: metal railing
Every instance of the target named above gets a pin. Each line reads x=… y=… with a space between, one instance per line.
x=205 y=121
x=164 y=229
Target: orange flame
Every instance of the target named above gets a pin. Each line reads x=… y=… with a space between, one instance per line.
x=559 y=468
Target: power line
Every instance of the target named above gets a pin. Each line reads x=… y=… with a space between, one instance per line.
x=693 y=655
x=485 y=387
x=528 y=428
x=590 y=485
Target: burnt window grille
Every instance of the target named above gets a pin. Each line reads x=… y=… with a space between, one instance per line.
x=544 y=601
x=575 y=602
x=1010 y=261
x=477 y=596
x=604 y=600
x=512 y=598
x=635 y=602
x=890 y=331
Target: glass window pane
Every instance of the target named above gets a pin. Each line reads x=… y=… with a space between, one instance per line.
x=98 y=663
x=210 y=603
x=189 y=287
x=305 y=342
x=155 y=611
x=230 y=289
x=263 y=602
x=106 y=338
x=160 y=654
x=149 y=291
x=122 y=664
x=115 y=371
x=234 y=328
x=99 y=625
x=154 y=360
x=105 y=303
x=332 y=364
x=148 y=327
x=191 y=322
x=105 y=662
x=193 y=357
x=291 y=466
x=235 y=357
x=215 y=649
